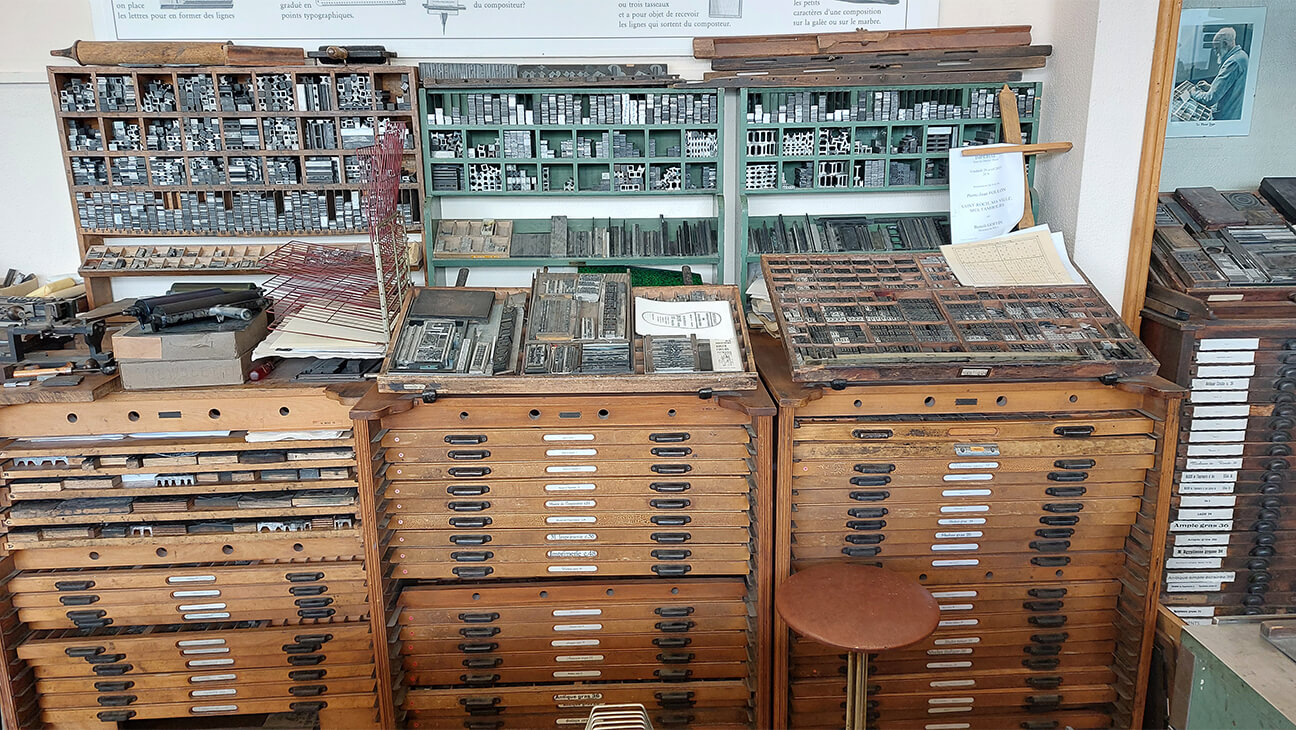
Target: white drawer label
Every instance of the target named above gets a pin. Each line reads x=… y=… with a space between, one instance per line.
x=1194 y=563
x=958 y=641
x=1202 y=551
x=974 y=465
x=573 y=568
x=1226 y=371
x=1205 y=502
x=961 y=521
x=966 y=493
x=1225 y=358
x=579 y=658
x=570 y=643
x=955 y=547
x=570 y=520
x=1201 y=540
x=1205 y=586
x=938 y=595
x=964 y=509
x=956 y=606
x=581 y=674
x=952 y=683
x=1229 y=343
x=1205 y=514
x=1220 y=383
x=1222 y=488
x=948 y=665
x=570 y=612
x=952 y=623
x=968 y=477
x=571 y=469
x=1208 y=476
x=572 y=553
x=1216 y=437
x=1193 y=611
x=571 y=536
x=578 y=627
x=1218 y=396
x=569 y=437
x=1216 y=450
x=948 y=652
x=966 y=535
x=1214 y=464
x=1220 y=526
x=955 y=563
x=571 y=452
x=570 y=487
x=1220 y=411
x=1226 y=576
x=567 y=503
x=1218 y=424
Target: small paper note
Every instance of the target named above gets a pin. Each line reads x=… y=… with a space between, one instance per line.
x=987 y=195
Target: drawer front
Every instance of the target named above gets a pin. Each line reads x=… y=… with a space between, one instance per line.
x=206 y=708
x=567 y=538
x=565 y=437
x=566 y=488
x=561 y=453
x=881 y=429
x=577 y=470
x=675 y=696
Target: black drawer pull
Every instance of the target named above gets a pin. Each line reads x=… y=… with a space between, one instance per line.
x=468 y=472
x=1050 y=546
x=1064 y=508
x=86 y=615
x=307 y=706
x=861 y=552
x=868 y=513
x=675 y=719
x=876 y=496
x=78 y=600
x=670 y=487
x=307 y=690
x=1269 y=514
x=471 y=556
x=479 y=632
x=117 y=700
x=303 y=577
x=675 y=658
x=1047 y=592
x=468 y=454
x=673 y=675
x=671 y=538
x=1257 y=564
x=470 y=523
x=674 y=627
x=671 y=468
x=670 y=520
x=1043 y=700
x=1280 y=447
x=1271 y=502
x=97 y=623
x=115 y=715
x=872 y=434
x=479 y=703
x=1260 y=577
x=1253 y=600
x=1038 y=724
x=875 y=481
x=465 y=439
x=875 y=468
x=316 y=613
x=670 y=452
x=1271 y=489
x=671 y=554
x=472 y=572
x=1262 y=551
x=1066 y=492
x=112 y=670
x=1068 y=476
x=484 y=647
x=680 y=503
x=113 y=686
x=483 y=724
x=1054 y=638
x=468 y=490
x=1047 y=606
x=479 y=618
x=316 y=602
x=671 y=571
x=865 y=539
x=307 y=660
x=489 y=662
x=1060 y=521
x=1052 y=561
x=105 y=658
x=74 y=585
x=671 y=642
x=1043 y=649
x=865 y=525
x=1277 y=465
x=308 y=590
x=1047 y=622
x=1041 y=663
x=668 y=438
x=1055 y=533
x=299 y=648
x=83 y=651
x=470 y=539
x=675 y=699
x=674 y=611
x=320 y=639
x=1074 y=432
x=469 y=506
x=1265 y=538
x=1074 y=464
x=479 y=680
x=307 y=675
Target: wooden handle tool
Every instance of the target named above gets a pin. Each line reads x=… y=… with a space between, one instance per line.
x=174 y=53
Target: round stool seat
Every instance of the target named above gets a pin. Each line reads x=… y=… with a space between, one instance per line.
x=857 y=607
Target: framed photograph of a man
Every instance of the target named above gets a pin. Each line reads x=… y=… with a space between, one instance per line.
x=1215 y=72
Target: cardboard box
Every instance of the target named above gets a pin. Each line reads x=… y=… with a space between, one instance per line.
x=153 y=374
x=204 y=340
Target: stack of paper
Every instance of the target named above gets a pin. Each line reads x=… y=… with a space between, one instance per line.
x=1031 y=257
x=314 y=331
x=760 y=310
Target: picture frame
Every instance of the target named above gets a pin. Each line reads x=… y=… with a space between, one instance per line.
x=1215 y=72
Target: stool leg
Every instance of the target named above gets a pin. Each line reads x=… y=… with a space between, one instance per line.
x=856 y=691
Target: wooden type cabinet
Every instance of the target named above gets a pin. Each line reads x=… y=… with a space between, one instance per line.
x=1020 y=506
x=550 y=553
x=189 y=554
x=1232 y=539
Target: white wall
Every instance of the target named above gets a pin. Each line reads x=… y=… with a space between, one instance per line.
x=1095 y=94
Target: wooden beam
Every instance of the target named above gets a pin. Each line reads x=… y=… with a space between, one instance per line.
x=1160 y=86
x=1038 y=148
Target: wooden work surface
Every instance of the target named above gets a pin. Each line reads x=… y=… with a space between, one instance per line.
x=92 y=387
x=1243 y=651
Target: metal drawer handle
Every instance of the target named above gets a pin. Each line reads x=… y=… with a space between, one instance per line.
x=479 y=680
x=475 y=572
x=313 y=638
x=112 y=670
x=468 y=472
x=670 y=503
x=674 y=627
x=1055 y=638
x=465 y=439
x=878 y=481
x=307 y=675
x=675 y=657
x=670 y=520
x=874 y=496
x=861 y=552
x=670 y=487
x=479 y=618
x=671 y=538
x=116 y=715
x=317 y=602
x=471 y=556
x=674 y=611
x=1054 y=561
x=307 y=706
x=1048 y=622
x=868 y=513
x=73 y=585
x=865 y=525
x=1066 y=492
x=669 y=438
x=308 y=590
x=469 y=506
x=105 y=658
x=1074 y=464
x=83 y=651
x=468 y=455
x=1043 y=606
x=113 y=686
x=307 y=690
x=78 y=600
x=483 y=662
x=875 y=468
x=1064 y=508
x=470 y=522
x=671 y=468
x=673 y=675
x=1074 y=432
x=308 y=660
x=1047 y=592
x=303 y=577
x=1068 y=476
x=671 y=571
x=865 y=539
x=470 y=539
x=316 y=613
x=1050 y=546
x=671 y=642
x=1054 y=533
x=1052 y=521
x=478 y=648
x=1043 y=649
x=117 y=700
x=671 y=452
x=1041 y=663
x=671 y=554
x=468 y=490
x=872 y=434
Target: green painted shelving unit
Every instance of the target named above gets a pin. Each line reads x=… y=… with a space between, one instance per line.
x=592 y=142
x=861 y=140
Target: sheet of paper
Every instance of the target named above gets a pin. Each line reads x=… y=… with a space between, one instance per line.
x=708 y=320
x=987 y=195
x=1033 y=257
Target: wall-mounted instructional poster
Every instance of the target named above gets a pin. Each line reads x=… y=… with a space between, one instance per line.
x=499 y=28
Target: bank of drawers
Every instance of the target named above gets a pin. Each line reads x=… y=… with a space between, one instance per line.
x=1018 y=524
x=199 y=671
x=1229 y=548
x=495 y=503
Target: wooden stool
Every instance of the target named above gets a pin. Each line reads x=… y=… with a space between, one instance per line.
x=860 y=609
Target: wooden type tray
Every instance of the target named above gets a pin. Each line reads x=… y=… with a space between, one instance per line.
x=946 y=429
x=684 y=434
x=95 y=717
x=730 y=718
x=181 y=578
x=533 y=488
x=573 y=537
x=83 y=687
x=935 y=466
x=878 y=317
x=1076 y=719
x=637 y=382
x=159 y=551
x=922 y=683
x=939 y=668
x=430 y=565
x=663 y=695
x=652 y=453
